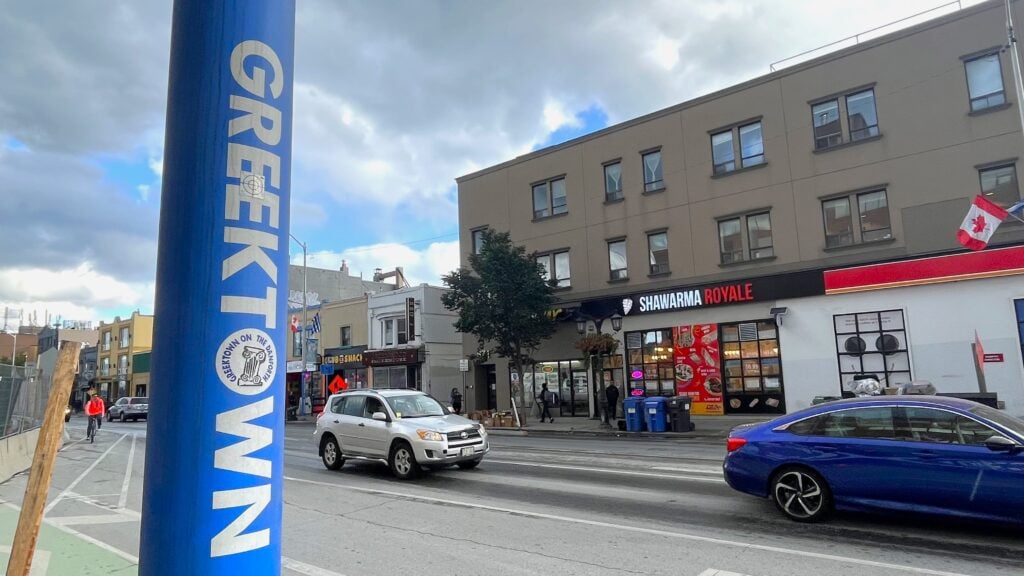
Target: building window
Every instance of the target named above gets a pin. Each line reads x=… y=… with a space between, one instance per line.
x=758 y=239
x=657 y=245
x=872 y=343
x=999 y=184
x=827 y=131
x=478 y=240
x=751 y=145
x=106 y=341
x=105 y=367
x=651 y=368
x=722 y=152
x=346 y=335
x=402 y=331
x=124 y=339
x=122 y=364
x=297 y=344
x=549 y=198
x=556 y=268
x=861 y=116
x=653 y=179
x=873 y=214
x=395 y=332
x=751 y=362
x=617 y=260
x=985 y=82
x=730 y=240
x=613 y=181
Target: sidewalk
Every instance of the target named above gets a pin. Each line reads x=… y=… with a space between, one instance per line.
x=705 y=427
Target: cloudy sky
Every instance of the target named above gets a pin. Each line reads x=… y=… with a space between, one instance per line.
x=393 y=101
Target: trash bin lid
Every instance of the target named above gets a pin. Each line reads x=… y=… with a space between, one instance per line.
x=655 y=401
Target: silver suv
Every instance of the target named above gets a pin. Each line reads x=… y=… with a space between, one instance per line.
x=406 y=429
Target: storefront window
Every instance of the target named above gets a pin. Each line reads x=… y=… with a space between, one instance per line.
x=391 y=377
x=567 y=379
x=752 y=367
x=650 y=368
x=872 y=344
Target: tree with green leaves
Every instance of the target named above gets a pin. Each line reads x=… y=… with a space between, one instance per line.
x=503 y=300
x=20 y=359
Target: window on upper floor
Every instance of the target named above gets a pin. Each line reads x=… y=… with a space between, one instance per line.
x=872 y=216
x=756 y=245
x=653 y=178
x=346 y=335
x=613 y=181
x=985 y=82
x=124 y=340
x=657 y=247
x=861 y=119
x=556 y=268
x=617 y=269
x=394 y=332
x=478 y=240
x=999 y=184
x=297 y=343
x=751 y=147
x=549 y=198
x=106 y=341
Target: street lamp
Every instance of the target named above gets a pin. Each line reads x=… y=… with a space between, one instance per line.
x=302 y=336
x=581 y=328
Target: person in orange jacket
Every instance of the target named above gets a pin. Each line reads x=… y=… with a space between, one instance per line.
x=94 y=409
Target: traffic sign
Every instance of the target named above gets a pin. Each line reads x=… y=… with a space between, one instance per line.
x=337 y=384
x=463 y=365
x=327 y=369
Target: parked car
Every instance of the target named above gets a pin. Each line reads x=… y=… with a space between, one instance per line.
x=920 y=454
x=129 y=409
x=406 y=429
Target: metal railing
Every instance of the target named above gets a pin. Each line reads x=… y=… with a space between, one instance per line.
x=23 y=397
x=856 y=38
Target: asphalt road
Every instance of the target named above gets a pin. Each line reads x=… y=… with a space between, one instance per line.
x=536 y=506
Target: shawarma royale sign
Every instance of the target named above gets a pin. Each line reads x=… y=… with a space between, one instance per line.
x=767 y=288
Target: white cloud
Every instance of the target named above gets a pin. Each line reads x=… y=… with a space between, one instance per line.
x=427 y=265
x=73 y=293
x=556 y=116
x=665 y=52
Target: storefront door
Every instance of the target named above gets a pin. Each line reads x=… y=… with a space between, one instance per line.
x=492 y=387
x=577 y=401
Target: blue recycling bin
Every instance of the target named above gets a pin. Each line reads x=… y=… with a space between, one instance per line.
x=634 y=409
x=655 y=414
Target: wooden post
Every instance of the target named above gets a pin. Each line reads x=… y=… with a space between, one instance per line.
x=42 y=462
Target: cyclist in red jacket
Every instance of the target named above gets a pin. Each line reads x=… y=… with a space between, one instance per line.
x=94 y=409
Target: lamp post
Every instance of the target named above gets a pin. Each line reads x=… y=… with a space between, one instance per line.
x=599 y=390
x=302 y=336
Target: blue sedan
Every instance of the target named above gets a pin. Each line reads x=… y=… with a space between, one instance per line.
x=921 y=454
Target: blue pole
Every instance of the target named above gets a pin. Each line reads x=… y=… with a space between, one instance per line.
x=214 y=456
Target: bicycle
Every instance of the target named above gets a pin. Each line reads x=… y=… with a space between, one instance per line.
x=90 y=432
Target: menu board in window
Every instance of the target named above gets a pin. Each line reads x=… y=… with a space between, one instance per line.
x=697 y=372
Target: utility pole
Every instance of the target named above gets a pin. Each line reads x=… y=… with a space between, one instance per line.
x=212 y=495
x=304 y=336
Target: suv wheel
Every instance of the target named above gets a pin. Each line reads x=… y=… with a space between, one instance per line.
x=110 y=416
x=403 y=462
x=331 y=454
x=123 y=417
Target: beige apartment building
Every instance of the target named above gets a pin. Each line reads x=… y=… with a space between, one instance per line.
x=767 y=243
x=119 y=342
x=342 y=339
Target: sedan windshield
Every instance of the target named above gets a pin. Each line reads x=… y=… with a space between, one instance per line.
x=415 y=406
x=1012 y=424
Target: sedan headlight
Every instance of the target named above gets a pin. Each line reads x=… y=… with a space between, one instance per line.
x=430 y=435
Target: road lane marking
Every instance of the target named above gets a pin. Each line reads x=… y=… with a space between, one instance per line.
x=713 y=572
x=95 y=519
x=694 y=470
x=122 y=502
x=636 y=529
x=40 y=560
x=82 y=476
x=303 y=568
x=607 y=471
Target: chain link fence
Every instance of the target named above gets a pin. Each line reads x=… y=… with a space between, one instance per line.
x=23 y=396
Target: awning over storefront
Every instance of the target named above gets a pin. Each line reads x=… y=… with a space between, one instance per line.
x=394 y=356
x=950 y=268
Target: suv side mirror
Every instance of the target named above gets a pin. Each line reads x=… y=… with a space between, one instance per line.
x=1002 y=444
x=380 y=416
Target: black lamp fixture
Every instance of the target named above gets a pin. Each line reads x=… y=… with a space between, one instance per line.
x=581 y=326
x=616 y=322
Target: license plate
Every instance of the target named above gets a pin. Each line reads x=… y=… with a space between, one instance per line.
x=467 y=451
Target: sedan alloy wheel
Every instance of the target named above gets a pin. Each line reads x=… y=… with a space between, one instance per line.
x=801 y=494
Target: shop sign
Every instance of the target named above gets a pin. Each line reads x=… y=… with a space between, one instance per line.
x=294 y=366
x=348 y=357
x=993 y=357
x=392 y=357
x=768 y=288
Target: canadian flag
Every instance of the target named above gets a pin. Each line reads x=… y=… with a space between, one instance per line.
x=980 y=224
x=295 y=323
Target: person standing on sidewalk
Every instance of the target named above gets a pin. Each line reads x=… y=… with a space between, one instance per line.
x=611 y=393
x=546 y=398
x=456 y=401
x=94 y=410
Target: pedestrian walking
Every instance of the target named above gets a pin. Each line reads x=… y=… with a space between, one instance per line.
x=546 y=399
x=611 y=394
x=456 y=401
